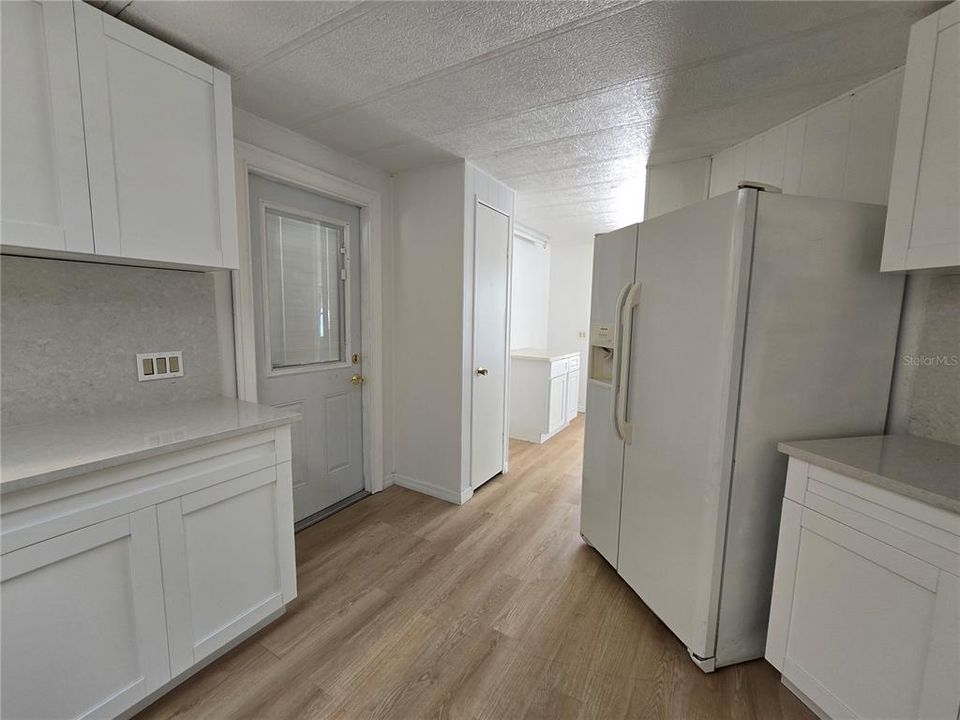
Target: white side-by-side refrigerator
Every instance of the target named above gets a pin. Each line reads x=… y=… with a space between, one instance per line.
x=717 y=331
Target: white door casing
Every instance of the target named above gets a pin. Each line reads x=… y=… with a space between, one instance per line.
x=252 y=159
x=490 y=343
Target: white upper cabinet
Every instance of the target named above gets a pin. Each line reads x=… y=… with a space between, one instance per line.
x=114 y=143
x=159 y=142
x=923 y=220
x=46 y=203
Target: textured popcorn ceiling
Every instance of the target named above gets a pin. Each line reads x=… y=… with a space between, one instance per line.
x=565 y=101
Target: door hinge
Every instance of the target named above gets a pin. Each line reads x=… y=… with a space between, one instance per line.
x=343 y=273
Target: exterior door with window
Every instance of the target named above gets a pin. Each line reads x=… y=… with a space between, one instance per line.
x=305 y=256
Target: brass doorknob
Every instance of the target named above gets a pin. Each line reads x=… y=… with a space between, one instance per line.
x=482 y=371
x=357 y=380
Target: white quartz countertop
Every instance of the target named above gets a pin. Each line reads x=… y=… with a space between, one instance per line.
x=925 y=470
x=544 y=354
x=64 y=447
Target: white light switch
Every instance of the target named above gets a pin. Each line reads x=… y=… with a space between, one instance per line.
x=159 y=365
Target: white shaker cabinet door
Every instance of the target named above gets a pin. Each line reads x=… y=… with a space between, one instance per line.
x=159 y=139
x=45 y=198
x=923 y=221
x=865 y=629
x=556 y=409
x=573 y=395
x=227 y=555
x=83 y=622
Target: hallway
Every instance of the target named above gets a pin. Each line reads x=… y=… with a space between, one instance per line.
x=410 y=607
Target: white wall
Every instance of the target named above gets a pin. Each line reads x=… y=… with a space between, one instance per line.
x=842 y=149
x=428 y=304
x=530 y=292
x=433 y=311
x=675 y=185
x=571 y=276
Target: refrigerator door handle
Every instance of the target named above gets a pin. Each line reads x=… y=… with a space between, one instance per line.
x=632 y=300
x=615 y=375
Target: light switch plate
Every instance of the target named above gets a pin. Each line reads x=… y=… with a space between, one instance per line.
x=149 y=365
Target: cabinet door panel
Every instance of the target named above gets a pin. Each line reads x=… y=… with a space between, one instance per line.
x=161 y=174
x=859 y=623
x=923 y=227
x=936 y=219
x=223 y=551
x=558 y=391
x=83 y=624
x=46 y=203
x=573 y=394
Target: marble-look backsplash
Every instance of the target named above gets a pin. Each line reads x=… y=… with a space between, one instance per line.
x=926 y=395
x=70 y=332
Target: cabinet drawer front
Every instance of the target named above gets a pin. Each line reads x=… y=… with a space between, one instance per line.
x=88 y=604
x=558 y=367
x=573 y=363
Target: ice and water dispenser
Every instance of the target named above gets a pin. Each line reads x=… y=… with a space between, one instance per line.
x=600 y=366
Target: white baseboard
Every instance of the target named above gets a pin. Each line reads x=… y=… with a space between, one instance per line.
x=388 y=481
x=432 y=490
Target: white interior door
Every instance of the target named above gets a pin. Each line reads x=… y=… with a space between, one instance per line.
x=491 y=269
x=305 y=258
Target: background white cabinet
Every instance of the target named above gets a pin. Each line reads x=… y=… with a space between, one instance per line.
x=83 y=621
x=223 y=565
x=923 y=222
x=544 y=390
x=159 y=147
x=864 y=618
x=45 y=199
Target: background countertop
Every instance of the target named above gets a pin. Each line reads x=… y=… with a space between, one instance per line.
x=541 y=354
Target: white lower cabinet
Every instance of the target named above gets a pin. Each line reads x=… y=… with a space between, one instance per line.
x=117 y=583
x=864 y=618
x=222 y=564
x=83 y=623
x=544 y=391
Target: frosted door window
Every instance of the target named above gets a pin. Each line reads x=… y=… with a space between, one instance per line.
x=304 y=291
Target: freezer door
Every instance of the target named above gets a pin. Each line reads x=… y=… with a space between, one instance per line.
x=614 y=259
x=693 y=270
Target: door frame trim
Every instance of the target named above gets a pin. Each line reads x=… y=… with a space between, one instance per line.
x=250 y=158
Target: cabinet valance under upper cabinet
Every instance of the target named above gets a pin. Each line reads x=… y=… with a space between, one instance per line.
x=923 y=221
x=114 y=143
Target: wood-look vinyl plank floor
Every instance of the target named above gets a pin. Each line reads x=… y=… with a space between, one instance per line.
x=412 y=608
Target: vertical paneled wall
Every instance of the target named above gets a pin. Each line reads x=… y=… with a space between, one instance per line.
x=842 y=149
